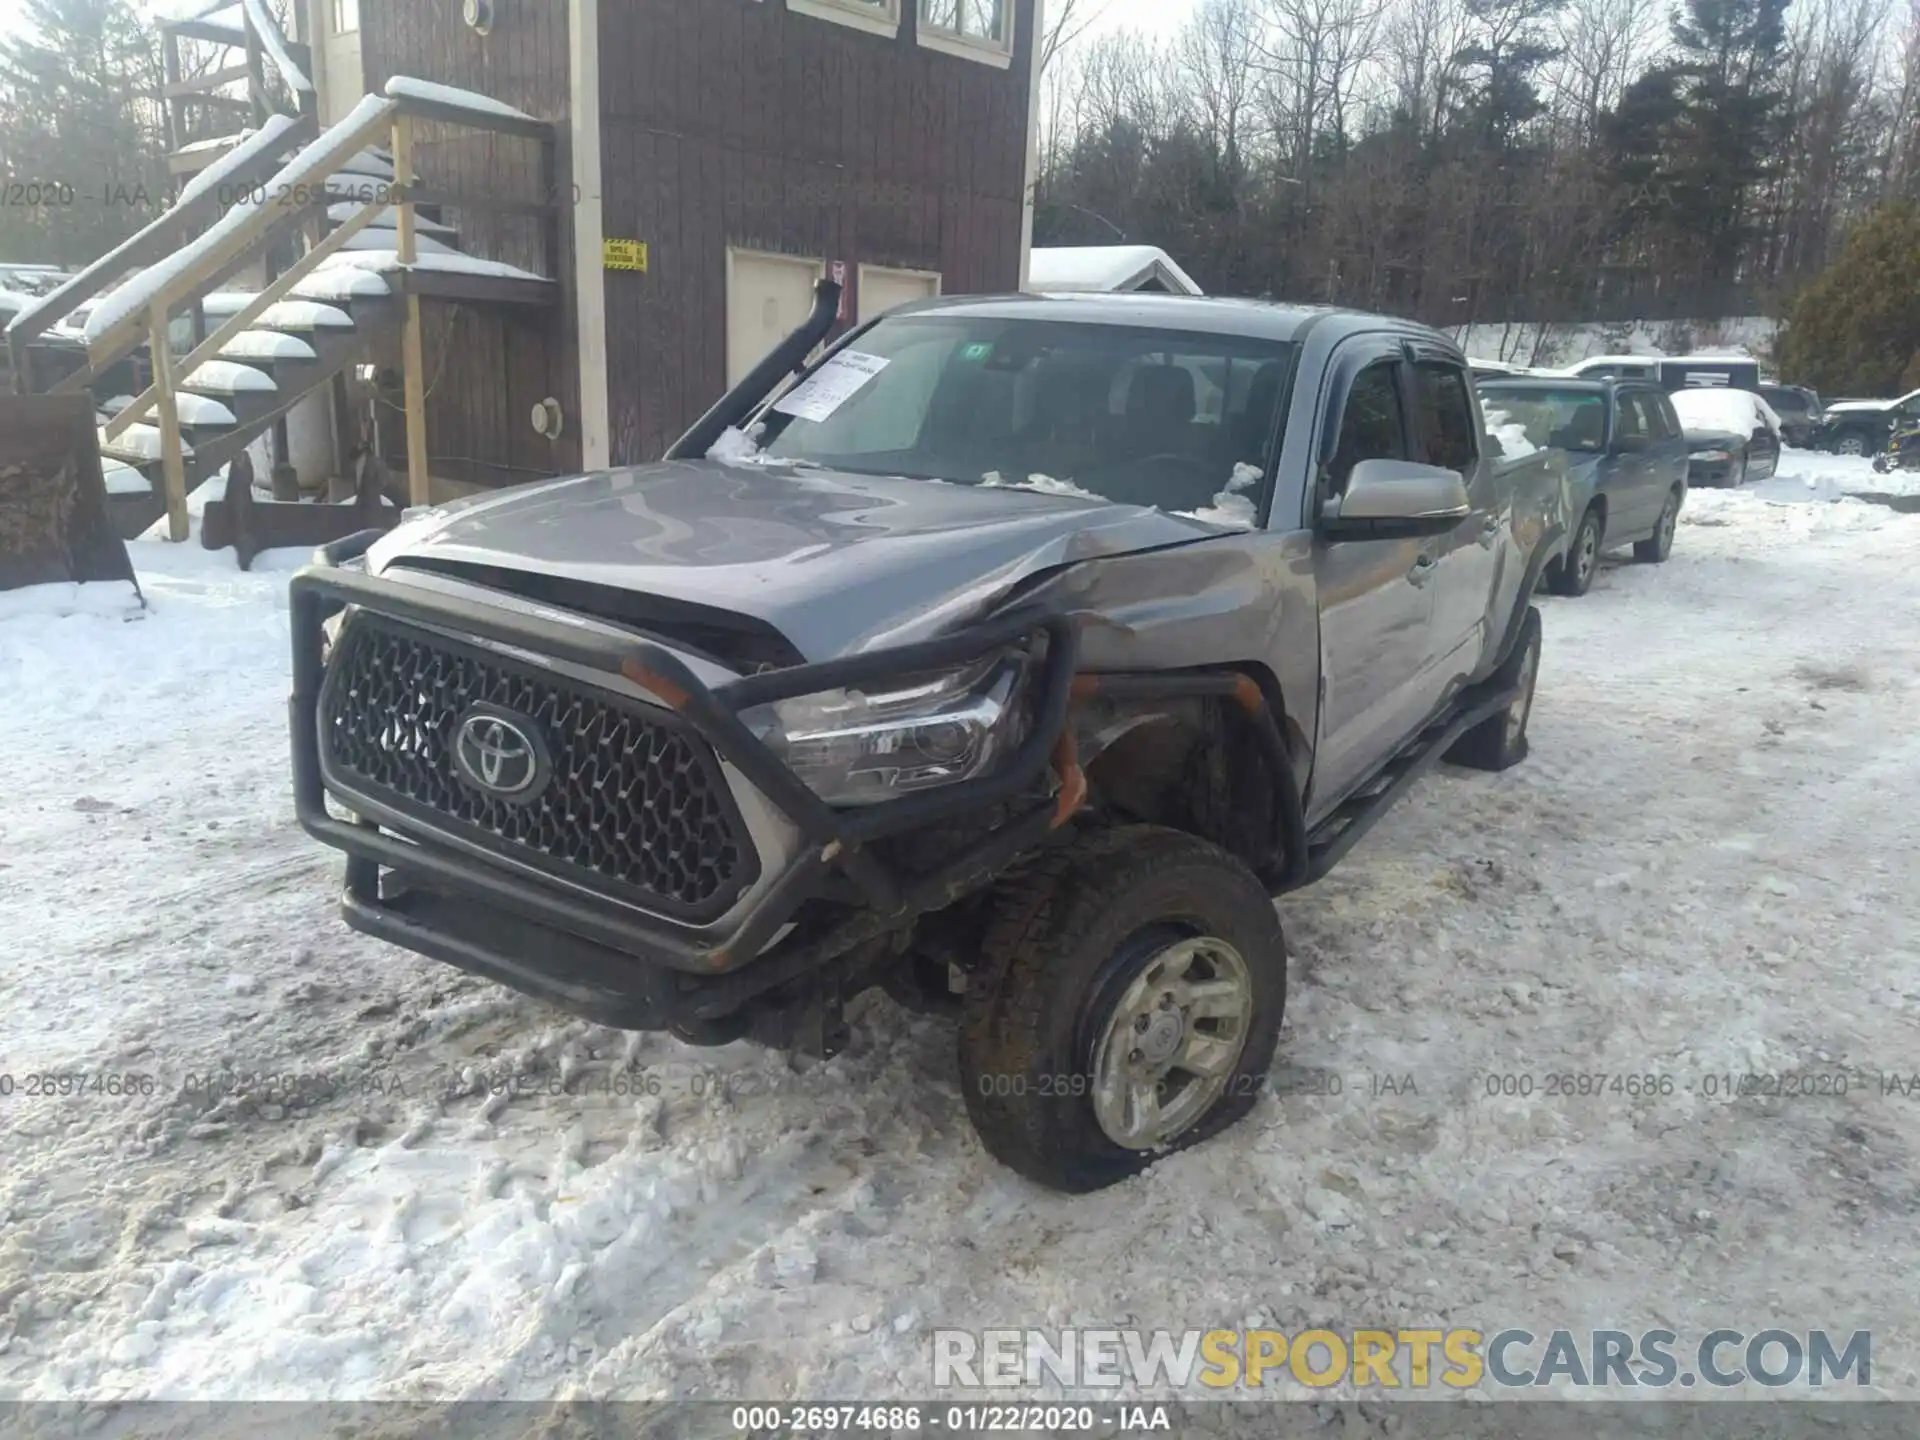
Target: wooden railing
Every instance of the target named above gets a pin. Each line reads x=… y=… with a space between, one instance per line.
x=264 y=46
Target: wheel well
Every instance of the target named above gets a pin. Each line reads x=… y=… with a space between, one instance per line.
x=1194 y=765
x=1598 y=504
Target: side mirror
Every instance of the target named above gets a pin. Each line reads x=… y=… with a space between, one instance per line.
x=1392 y=498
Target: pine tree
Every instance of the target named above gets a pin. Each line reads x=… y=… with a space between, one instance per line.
x=80 y=129
x=1856 y=328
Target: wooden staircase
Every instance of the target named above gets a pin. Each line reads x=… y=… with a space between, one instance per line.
x=351 y=249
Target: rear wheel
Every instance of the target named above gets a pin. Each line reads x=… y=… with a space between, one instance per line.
x=1500 y=741
x=1851 y=442
x=1127 y=1004
x=1576 y=572
x=1656 y=547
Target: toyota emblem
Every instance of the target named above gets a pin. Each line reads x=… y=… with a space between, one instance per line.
x=501 y=754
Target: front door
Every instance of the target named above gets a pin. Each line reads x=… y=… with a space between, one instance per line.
x=342 y=81
x=1376 y=604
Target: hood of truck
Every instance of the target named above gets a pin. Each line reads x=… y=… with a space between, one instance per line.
x=836 y=562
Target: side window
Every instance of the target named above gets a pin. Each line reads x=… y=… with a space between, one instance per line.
x=1662 y=423
x=1370 y=427
x=1446 y=416
x=1629 y=422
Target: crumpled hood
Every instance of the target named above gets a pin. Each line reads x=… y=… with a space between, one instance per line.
x=838 y=563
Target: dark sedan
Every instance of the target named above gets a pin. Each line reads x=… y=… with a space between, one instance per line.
x=1732 y=435
x=1799 y=412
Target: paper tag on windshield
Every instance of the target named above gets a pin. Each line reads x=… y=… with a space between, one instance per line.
x=831 y=386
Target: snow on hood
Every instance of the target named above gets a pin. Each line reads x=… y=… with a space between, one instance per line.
x=1231 y=510
x=1737 y=412
x=1039 y=484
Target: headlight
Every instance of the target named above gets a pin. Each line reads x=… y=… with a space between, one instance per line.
x=859 y=747
x=1712 y=456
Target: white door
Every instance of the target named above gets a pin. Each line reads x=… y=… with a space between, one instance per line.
x=342 y=80
x=767 y=298
x=881 y=288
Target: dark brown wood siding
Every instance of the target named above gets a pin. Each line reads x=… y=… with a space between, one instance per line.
x=489 y=365
x=741 y=123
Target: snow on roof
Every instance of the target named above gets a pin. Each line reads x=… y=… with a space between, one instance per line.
x=405 y=87
x=1105 y=267
x=1740 y=412
x=266 y=345
x=264 y=141
x=452 y=262
x=134 y=294
x=223 y=377
x=275 y=44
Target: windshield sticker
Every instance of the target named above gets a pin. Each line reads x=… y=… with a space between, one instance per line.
x=831 y=386
x=978 y=350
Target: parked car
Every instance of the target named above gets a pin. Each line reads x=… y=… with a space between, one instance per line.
x=1732 y=436
x=974 y=665
x=1672 y=373
x=1626 y=459
x=1863 y=427
x=1798 y=409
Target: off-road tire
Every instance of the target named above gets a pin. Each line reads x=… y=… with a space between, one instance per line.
x=1573 y=576
x=1497 y=742
x=1655 y=549
x=1066 y=939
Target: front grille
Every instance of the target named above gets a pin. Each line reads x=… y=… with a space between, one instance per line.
x=634 y=805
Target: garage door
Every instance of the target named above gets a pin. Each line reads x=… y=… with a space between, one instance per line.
x=881 y=288
x=767 y=298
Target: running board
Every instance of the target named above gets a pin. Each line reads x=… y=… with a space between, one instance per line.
x=1333 y=837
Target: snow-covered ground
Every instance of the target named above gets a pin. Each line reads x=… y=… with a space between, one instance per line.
x=1706 y=867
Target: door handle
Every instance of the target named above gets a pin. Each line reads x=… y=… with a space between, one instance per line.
x=1422 y=570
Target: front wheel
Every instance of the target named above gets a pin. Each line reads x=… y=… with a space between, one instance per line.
x=1575 y=574
x=1851 y=443
x=1127 y=1004
x=1500 y=741
x=1657 y=547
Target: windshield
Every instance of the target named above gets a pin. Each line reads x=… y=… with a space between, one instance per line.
x=1573 y=420
x=1180 y=420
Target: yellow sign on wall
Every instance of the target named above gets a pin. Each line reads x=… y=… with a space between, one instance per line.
x=625 y=254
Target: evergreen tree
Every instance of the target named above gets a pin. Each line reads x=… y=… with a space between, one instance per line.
x=1856 y=328
x=81 y=129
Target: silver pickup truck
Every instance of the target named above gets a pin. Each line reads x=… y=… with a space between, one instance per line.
x=1010 y=656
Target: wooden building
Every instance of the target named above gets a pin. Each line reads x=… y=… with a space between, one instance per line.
x=719 y=155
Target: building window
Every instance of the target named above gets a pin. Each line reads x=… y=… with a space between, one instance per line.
x=977 y=29
x=880 y=17
x=346 y=16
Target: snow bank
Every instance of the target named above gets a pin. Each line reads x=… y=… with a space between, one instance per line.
x=405 y=87
x=114 y=598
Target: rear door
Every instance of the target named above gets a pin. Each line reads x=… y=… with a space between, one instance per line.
x=1667 y=448
x=1376 y=596
x=1630 y=472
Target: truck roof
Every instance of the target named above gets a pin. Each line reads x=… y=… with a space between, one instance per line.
x=1213 y=314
